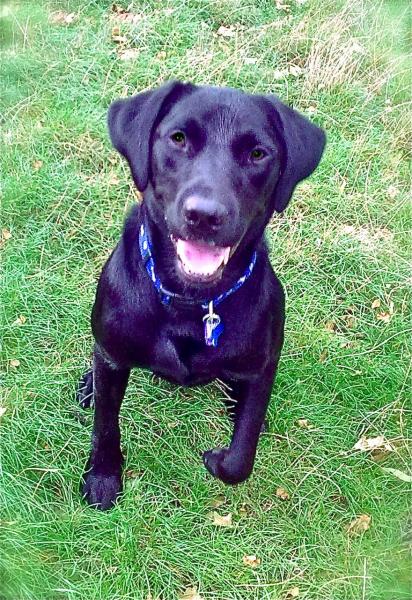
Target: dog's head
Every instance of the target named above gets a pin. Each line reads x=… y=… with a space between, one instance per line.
x=214 y=164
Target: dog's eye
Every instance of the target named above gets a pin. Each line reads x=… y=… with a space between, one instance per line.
x=179 y=138
x=257 y=154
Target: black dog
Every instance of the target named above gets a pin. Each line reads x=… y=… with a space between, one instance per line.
x=189 y=291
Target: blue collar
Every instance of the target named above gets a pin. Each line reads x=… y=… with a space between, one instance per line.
x=213 y=325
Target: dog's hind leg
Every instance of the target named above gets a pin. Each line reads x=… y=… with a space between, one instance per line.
x=85 y=390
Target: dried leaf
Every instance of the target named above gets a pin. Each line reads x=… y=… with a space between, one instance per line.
x=323 y=356
x=379 y=442
x=292 y=593
x=399 y=474
x=282 y=494
x=244 y=510
x=14 y=362
x=350 y=321
x=330 y=326
x=359 y=525
x=128 y=53
x=190 y=593
x=112 y=569
x=251 y=560
x=113 y=179
x=392 y=192
x=60 y=17
x=295 y=70
x=116 y=35
x=2 y=410
x=282 y=5
x=37 y=164
x=304 y=424
x=376 y=303
x=227 y=32
x=131 y=474
x=5 y=234
x=384 y=316
x=161 y=55
x=222 y=520
x=20 y=320
x=218 y=501
x=124 y=14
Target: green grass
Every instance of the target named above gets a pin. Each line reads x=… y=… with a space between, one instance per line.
x=342 y=243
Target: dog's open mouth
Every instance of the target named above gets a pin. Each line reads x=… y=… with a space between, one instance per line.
x=201 y=261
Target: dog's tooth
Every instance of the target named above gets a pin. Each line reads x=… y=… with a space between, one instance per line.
x=226 y=255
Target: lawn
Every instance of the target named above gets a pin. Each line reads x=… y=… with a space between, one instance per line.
x=319 y=519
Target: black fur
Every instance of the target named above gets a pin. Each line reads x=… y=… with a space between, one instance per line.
x=235 y=196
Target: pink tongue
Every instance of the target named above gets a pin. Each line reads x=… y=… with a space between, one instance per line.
x=199 y=258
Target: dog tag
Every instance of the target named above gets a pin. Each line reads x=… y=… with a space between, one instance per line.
x=213 y=327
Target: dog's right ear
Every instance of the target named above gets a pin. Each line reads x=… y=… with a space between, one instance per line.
x=132 y=121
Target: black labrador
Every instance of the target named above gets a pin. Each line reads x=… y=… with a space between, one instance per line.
x=189 y=291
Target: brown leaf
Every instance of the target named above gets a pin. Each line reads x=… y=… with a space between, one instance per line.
x=132 y=474
x=218 y=501
x=14 y=362
x=227 y=32
x=125 y=15
x=128 y=53
x=282 y=494
x=221 y=520
x=5 y=234
x=190 y=593
x=244 y=510
x=304 y=424
x=116 y=35
x=359 y=525
x=330 y=326
x=37 y=164
x=60 y=17
x=392 y=191
x=323 y=356
x=292 y=593
x=384 y=316
x=350 y=321
x=282 y=5
x=113 y=179
x=161 y=55
x=376 y=303
x=365 y=444
x=295 y=70
x=20 y=320
x=251 y=560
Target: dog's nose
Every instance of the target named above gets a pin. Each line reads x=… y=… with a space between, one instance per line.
x=203 y=213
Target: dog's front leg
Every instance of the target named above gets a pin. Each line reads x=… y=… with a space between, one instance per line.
x=235 y=463
x=102 y=479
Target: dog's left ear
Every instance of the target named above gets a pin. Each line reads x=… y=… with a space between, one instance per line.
x=302 y=144
x=131 y=122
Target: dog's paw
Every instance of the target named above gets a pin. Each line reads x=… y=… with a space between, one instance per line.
x=101 y=491
x=226 y=466
x=85 y=390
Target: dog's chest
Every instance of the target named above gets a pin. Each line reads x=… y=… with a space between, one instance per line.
x=183 y=358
